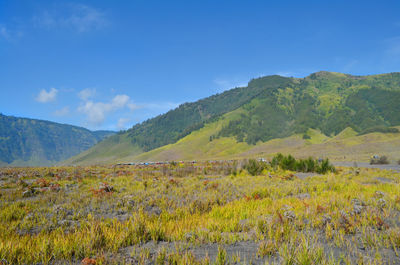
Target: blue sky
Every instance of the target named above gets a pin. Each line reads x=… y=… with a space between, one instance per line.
x=109 y=64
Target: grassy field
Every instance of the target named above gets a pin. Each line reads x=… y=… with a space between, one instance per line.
x=198 y=213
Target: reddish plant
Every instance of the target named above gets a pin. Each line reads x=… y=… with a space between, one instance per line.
x=88 y=261
x=42 y=182
x=256 y=196
x=380 y=224
x=173 y=182
x=214 y=186
x=104 y=189
x=280 y=217
x=320 y=209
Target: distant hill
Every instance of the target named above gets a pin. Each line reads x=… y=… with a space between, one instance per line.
x=270 y=107
x=30 y=142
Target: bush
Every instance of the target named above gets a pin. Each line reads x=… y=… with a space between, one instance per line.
x=255 y=167
x=383 y=160
x=381 y=129
x=303 y=165
x=398 y=162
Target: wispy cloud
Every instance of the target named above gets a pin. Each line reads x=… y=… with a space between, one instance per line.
x=162 y=106
x=8 y=34
x=87 y=93
x=393 y=46
x=350 y=65
x=4 y=33
x=286 y=73
x=122 y=123
x=78 y=17
x=96 y=112
x=224 y=84
x=62 y=112
x=47 y=96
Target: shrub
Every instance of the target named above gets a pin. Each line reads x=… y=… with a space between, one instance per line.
x=303 y=165
x=255 y=167
x=325 y=166
x=383 y=160
x=381 y=129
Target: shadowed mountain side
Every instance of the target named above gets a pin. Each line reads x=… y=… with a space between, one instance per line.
x=30 y=142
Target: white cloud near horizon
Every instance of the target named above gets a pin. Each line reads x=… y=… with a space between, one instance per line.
x=78 y=17
x=121 y=124
x=96 y=112
x=393 y=46
x=225 y=84
x=62 y=112
x=47 y=96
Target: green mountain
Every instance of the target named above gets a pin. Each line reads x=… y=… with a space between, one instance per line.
x=268 y=108
x=30 y=142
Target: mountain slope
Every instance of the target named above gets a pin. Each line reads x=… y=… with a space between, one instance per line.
x=33 y=142
x=268 y=108
x=176 y=124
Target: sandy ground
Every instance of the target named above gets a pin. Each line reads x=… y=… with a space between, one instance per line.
x=366 y=165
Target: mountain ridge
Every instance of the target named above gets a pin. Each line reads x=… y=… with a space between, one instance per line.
x=268 y=108
x=35 y=142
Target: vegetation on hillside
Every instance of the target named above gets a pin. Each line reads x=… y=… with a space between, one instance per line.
x=380 y=129
x=268 y=108
x=176 y=124
x=325 y=102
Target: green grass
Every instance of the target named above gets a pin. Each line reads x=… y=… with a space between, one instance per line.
x=205 y=201
x=112 y=149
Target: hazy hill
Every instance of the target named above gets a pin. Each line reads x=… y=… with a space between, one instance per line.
x=268 y=108
x=30 y=142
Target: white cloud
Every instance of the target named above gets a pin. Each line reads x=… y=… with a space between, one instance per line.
x=96 y=112
x=120 y=101
x=162 y=106
x=224 y=84
x=86 y=93
x=285 y=73
x=62 y=112
x=45 y=96
x=9 y=35
x=121 y=124
x=133 y=106
x=78 y=17
x=393 y=46
x=4 y=33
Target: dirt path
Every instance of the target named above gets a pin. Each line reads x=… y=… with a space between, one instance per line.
x=367 y=165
